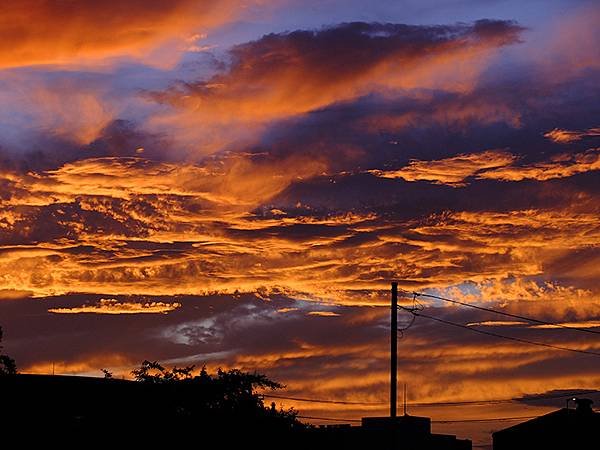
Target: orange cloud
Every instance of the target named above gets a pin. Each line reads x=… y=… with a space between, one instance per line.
x=284 y=75
x=494 y=165
x=452 y=171
x=496 y=323
x=49 y=32
x=565 y=136
x=558 y=326
x=583 y=324
x=236 y=181
x=120 y=365
x=560 y=166
x=119 y=241
x=10 y=294
x=323 y=313
x=113 y=306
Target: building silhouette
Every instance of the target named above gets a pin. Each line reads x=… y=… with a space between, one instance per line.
x=399 y=433
x=566 y=428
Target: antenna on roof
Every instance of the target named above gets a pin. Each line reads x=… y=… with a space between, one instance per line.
x=405 y=399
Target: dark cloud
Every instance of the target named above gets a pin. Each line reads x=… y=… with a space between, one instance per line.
x=287 y=74
x=385 y=132
x=119 y=138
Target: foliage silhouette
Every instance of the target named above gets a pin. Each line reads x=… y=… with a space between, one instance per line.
x=7 y=364
x=226 y=396
x=153 y=372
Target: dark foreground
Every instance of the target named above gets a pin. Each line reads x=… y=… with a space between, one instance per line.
x=90 y=412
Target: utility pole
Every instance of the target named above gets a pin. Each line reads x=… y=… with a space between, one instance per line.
x=394 y=351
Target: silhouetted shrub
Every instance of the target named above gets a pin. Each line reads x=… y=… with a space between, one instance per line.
x=223 y=397
x=7 y=364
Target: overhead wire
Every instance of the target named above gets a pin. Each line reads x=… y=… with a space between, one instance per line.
x=503 y=313
x=438 y=404
x=502 y=336
x=313 y=400
x=505 y=400
x=328 y=419
x=417 y=306
x=490 y=419
x=416 y=310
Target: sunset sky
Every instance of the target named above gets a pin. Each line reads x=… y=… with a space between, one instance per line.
x=236 y=183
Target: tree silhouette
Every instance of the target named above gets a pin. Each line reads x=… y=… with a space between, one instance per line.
x=227 y=395
x=153 y=372
x=7 y=364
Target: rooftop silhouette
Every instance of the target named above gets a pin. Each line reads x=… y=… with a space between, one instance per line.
x=577 y=427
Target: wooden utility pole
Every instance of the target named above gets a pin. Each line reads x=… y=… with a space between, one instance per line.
x=394 y=351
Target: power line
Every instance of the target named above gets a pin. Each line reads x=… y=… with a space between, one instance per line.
x=416 y=311
x=511 y=338
x=491 y=419
x=437 y=404
x=313 y=400
x=514 y=316
x=415 y=307
x=504 y=400
x=328 y=419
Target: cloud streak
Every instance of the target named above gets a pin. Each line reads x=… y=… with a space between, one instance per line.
x=452 y=171
x=113 y=306
x=494 y=165
x=565 y=136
